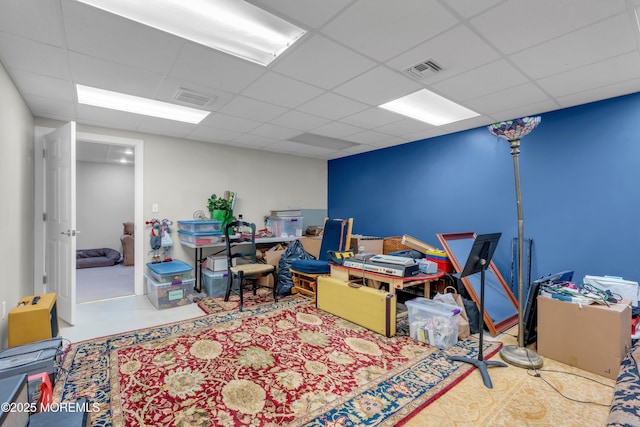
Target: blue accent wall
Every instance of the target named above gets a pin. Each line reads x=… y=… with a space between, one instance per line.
x=580 y=180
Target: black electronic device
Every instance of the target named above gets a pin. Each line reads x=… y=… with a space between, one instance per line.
x=32 y=358
x=530 y=315
x=478 y=260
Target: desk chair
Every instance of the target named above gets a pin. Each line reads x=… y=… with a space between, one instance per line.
x=242 y=265
x=336 y=236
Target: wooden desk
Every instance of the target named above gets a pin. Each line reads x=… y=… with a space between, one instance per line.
x=346 y=273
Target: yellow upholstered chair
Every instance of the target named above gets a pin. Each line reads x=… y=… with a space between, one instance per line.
x=241 y=260
x=336 y=236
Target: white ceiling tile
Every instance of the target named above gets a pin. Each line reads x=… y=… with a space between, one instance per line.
x=368 y=137
x=489 y=78
x=514 y=97
x=404 y=126
x=469 y=8
x=204 y=133
x=299 y=120
x=313 y=61
x=254 y=141
x=356 y=149
x=332 y=106
x=378 y=86
x=390 y=142
x=407 y=24
x=528 y=110
x=88 y=114
x=40 y=107
x=312 y=13
x=39 y=58
x=36 y=20
x=48 y=87
x=281 y=90
x=227 y=122
x=426 y=134
x=289 y=147
x=371 y=118
x=578 y=48
x=605 y=73
x=275 y=132
x=457 y=50
x=252 y=109
x=102 y=74
x=208 y=67
x=516 y=25
x=604 y=92
x=104 y=35
x=337 y=130
x=165 y=127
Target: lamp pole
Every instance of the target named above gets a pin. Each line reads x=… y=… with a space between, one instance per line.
x=513 y=131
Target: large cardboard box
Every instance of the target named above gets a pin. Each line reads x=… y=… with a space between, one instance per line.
x=271 y=257
x=591 y=337
x=366 y=244
x=311 y=245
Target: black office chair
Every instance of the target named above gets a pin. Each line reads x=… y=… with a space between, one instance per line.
x=242 y=264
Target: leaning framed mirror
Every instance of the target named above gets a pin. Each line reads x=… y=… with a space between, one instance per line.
x=500 y=305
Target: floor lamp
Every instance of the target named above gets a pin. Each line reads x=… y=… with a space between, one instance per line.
x=513 y=131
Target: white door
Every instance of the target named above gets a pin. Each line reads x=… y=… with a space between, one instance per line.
x=60 y=210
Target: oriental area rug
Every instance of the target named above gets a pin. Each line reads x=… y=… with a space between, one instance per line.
x=269 y=365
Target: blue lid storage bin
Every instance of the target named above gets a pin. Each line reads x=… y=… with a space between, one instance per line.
x=200 y=226
x=170 y=271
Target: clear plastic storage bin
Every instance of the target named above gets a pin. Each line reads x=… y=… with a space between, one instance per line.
x=433 y=322
x=199 y=238
x=200 y=226
x=171 y=294
x=214 y=283
x=285 y=226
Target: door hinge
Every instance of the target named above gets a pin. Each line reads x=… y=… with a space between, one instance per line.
x=44 y=216
x=44 y=279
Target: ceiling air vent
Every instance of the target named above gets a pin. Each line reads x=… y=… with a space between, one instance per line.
x=191 y=98
x=424 y=69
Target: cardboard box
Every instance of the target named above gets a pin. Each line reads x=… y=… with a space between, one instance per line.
x=271 y=257
x=217 y=263
x=591 y=337
x=366 y=244
x=311 y=245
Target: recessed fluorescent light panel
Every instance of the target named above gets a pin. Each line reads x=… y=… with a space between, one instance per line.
x=232 y=26
x=134 y=104
x=430 y=108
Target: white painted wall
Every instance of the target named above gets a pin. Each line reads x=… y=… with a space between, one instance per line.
x=16 y=198
x=104 y=200
x=180 y=175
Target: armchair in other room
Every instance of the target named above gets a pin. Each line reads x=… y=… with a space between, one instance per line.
x=128 y=243
x=336 y=236
x=242 y=264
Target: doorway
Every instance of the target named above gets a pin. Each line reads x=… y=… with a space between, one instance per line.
x=105 y=202
x=40 y=271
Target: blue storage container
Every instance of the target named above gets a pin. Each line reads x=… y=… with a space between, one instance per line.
x=200 y=226
x=170 y=271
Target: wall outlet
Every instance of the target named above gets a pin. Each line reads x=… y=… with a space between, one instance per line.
x=154 y=207
x=4 y=309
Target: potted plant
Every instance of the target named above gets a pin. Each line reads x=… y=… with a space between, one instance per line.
x=219 y=207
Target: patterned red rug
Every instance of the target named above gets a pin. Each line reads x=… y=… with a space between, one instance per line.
x=271 y=365
x=218 y=305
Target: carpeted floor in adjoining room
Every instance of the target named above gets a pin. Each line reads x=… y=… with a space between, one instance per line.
x=100 y=283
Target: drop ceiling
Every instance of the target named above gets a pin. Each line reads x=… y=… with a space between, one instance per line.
x=502 y=59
